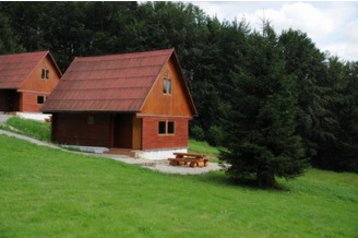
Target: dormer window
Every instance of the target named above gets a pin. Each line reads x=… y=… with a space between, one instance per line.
x=167 y=86
x=47 y=74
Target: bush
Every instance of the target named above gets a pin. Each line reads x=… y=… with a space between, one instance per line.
x=215 y=136
x=197 y=133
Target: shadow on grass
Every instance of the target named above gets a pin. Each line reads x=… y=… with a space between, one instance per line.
x=220 y=179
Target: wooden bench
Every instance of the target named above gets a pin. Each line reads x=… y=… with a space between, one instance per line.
x=194 y=160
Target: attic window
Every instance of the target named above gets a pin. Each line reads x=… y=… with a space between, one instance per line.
x=43 y=73
x=41 y=99
x=167 y=86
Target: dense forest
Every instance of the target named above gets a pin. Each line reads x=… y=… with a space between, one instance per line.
x=257 y=92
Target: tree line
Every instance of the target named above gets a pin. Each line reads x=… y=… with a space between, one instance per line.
x=273 y=100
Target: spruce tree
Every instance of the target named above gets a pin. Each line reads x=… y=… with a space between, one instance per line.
x=261 y=126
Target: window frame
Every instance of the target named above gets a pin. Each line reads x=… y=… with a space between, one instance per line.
x=43 y=74
x=160 y=127
x=167 y=86
x=43 y=99
x=166 y=131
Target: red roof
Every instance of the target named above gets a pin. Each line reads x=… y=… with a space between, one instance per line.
x=15 y=68
x=107 y=83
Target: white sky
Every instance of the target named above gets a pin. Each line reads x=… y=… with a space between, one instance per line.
x=332 y=26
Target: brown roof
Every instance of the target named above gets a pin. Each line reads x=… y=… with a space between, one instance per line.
x=108 y=83
x=15 y=68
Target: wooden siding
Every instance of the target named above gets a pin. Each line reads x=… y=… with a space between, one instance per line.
x=28 y=101
x=35 y=86
x=123 y=131
x=137 y=133
x=152 y=140
x=74 y=129
x=35 y=83
x=109 y=130
x=175 y=104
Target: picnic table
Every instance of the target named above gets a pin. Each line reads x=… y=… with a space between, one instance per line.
x=194 y=160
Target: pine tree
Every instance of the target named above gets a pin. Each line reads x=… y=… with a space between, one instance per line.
x=261 y=127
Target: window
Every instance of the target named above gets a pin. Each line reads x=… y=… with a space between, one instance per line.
x=166 y=127
x=161 y=127
x=41 y=99
x=167 y=86
x=170 y=128
x=43 y=73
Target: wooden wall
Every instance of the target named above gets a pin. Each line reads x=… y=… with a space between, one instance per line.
x=35 y=86
x=75 y=129
x=28 y=101
x=152 y=140
x=108 y=130
x=176 y=104
x=137 y=133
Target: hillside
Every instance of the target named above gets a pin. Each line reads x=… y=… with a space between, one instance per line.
x=51 y=193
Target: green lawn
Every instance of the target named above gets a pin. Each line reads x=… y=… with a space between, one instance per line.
x=51 y=193
x=35 y=129
x=203 y=147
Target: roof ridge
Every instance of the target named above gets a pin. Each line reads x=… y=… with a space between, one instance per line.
x=128 y=53
x=23 y=53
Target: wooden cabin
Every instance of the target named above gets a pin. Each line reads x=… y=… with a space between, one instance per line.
x=26 y=80
x=137 y=101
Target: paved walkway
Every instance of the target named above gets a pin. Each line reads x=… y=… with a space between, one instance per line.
x=3 y=117
x=157 y=165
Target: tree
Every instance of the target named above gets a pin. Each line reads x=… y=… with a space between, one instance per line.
x=340 y=152
x=305 y=64
x=262 y=140
x=9 y=42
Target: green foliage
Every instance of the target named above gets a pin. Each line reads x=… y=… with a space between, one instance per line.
x=35 y=129
x=46 y=191
x=215 y=136
x=263 y=144
x=9 y=42
x=197 y=133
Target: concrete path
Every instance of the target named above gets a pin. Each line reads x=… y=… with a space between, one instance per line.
x=3 y=117
x=157 y=165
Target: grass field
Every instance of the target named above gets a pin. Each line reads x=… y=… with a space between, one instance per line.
x=51 y=193
x=35 y=129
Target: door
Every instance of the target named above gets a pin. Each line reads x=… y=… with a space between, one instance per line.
x=123 y=131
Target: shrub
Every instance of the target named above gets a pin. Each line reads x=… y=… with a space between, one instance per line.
x=197 y=133
x=215 y=136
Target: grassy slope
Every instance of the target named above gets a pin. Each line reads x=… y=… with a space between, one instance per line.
x=35 y=129
x=50 y=193
x=203 y=147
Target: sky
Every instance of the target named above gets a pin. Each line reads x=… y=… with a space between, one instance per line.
x=332 y=26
